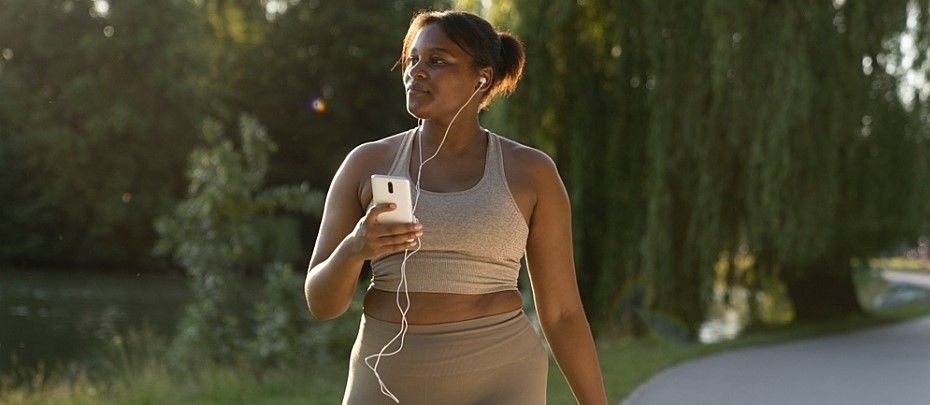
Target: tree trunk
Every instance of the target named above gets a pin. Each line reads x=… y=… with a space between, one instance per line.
x=822 y=289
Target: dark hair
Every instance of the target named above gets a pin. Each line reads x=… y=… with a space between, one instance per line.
x=501 y=51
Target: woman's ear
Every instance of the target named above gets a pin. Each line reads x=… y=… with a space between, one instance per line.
x=485 y=78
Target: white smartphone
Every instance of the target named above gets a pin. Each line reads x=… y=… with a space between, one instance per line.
x=392 y=189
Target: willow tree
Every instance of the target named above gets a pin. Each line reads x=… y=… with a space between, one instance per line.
x=821 y=139
x=686 y=128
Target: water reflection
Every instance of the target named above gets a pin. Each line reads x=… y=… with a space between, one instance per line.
x=60 y=317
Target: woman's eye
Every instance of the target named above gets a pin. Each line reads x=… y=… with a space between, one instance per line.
x=413 y=60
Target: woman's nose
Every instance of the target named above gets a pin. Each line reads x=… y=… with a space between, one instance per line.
x=415 y=70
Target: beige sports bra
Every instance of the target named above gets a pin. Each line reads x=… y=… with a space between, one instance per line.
x=472 y=240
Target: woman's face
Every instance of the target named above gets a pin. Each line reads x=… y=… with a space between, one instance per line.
x=439 y=77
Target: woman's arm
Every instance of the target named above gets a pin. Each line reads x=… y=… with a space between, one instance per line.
x=349 y=236
x=555 y=290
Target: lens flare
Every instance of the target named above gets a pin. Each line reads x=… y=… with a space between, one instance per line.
x=668 y=328
x=626 y=301
x=317 y=105
x=628 y=307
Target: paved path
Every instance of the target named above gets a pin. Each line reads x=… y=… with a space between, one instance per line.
x=921 y=279
x=886 y=365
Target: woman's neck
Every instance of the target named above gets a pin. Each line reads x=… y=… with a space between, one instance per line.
x=464 y=135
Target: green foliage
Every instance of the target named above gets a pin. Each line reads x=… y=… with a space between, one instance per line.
x=96 y=107
x=220 y=230
x=286 y=337
x=283 y=328
x=95 y=110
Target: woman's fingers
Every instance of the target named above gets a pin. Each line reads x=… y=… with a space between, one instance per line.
x=384 y=239
x=371 y=217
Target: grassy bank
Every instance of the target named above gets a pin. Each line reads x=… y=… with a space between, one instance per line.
x=155 y=384
x=626 y=364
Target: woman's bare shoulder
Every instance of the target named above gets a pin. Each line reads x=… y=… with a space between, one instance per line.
x=527 y=160
x=373 y=157
x=378 y=150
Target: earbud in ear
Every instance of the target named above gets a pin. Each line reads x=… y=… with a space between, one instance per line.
x=481 y=81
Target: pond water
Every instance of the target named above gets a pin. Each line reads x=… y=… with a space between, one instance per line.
x=59 y=317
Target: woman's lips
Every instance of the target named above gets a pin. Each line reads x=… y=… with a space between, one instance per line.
x=414 y=89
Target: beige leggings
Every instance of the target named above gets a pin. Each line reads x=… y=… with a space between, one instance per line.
x=493 y=360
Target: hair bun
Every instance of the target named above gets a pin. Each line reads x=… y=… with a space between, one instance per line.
x=513 y=61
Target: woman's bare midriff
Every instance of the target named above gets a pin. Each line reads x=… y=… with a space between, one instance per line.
x=435 y=308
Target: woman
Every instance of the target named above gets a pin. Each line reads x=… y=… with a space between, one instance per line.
x=449 y=328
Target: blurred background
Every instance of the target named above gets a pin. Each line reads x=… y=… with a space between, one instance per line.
x=732 y=164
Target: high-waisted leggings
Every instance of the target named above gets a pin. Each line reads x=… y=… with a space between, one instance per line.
x=492 y=360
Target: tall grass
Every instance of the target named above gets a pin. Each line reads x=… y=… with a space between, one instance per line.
x=139 y=370
x=153 y=382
